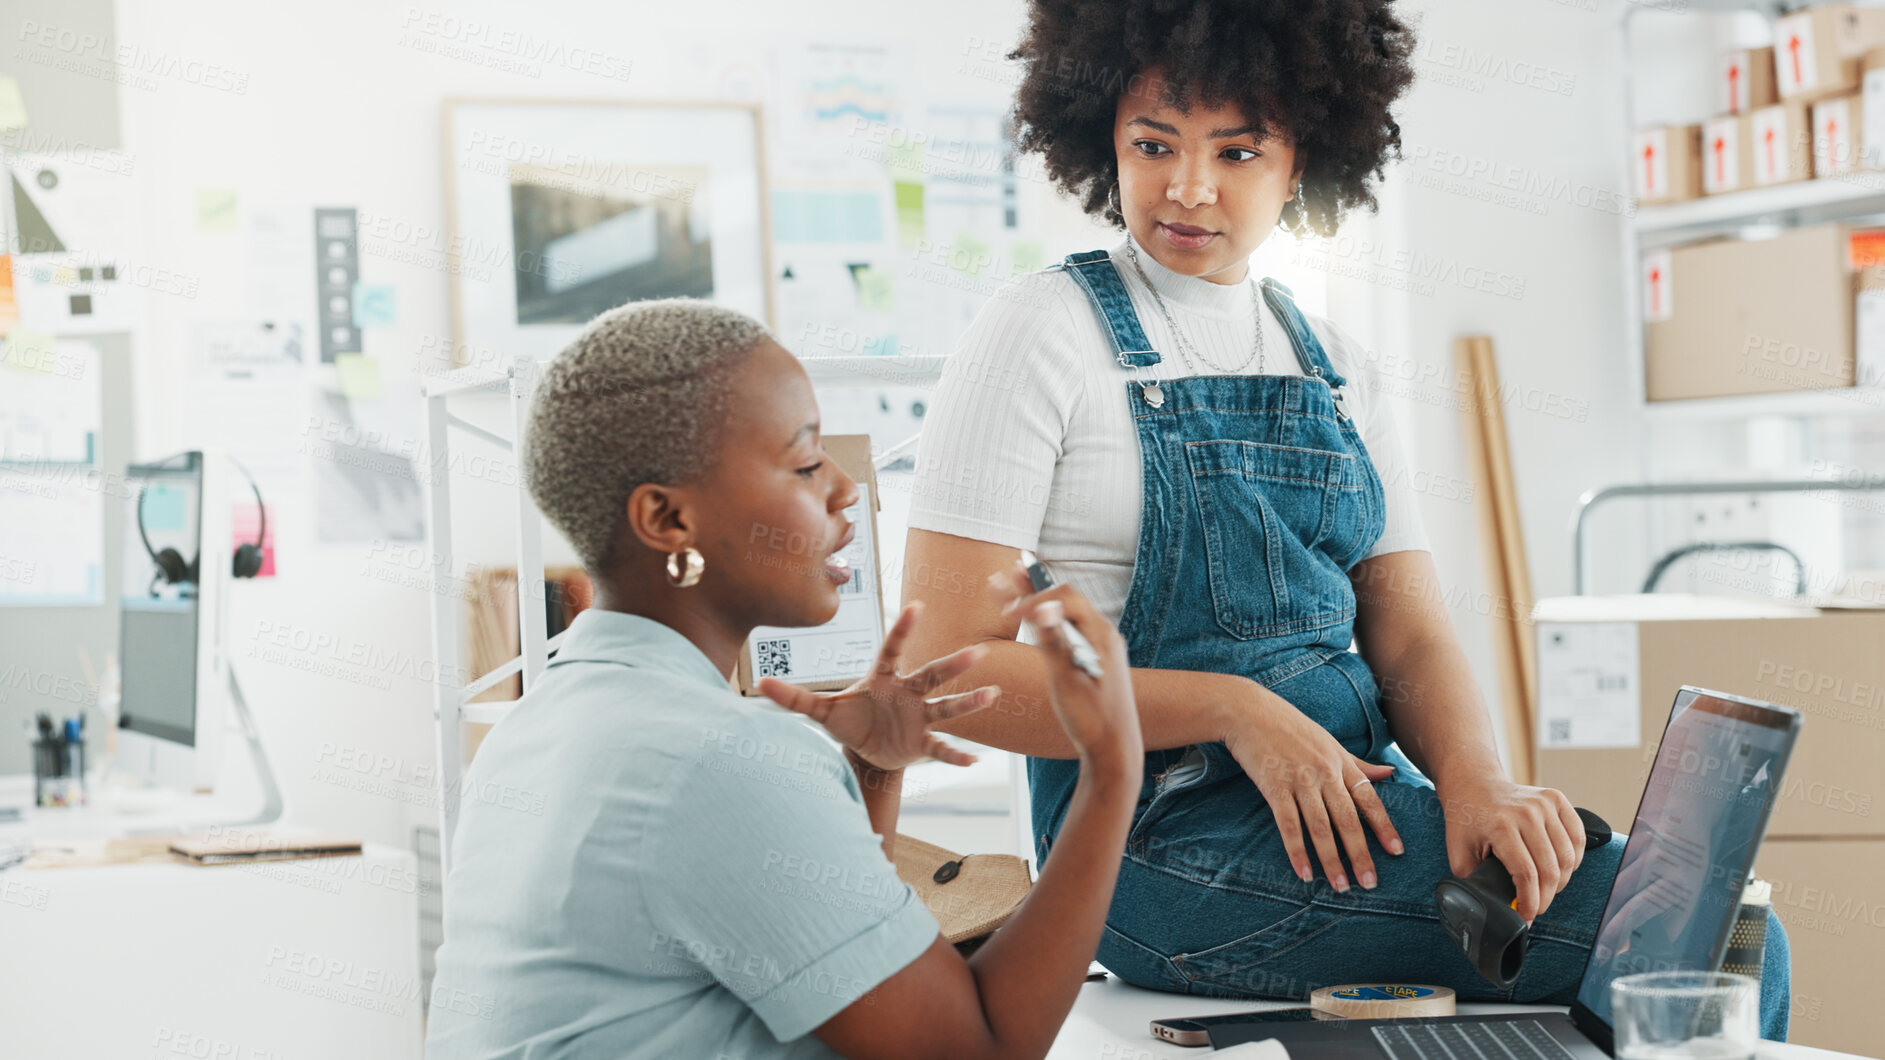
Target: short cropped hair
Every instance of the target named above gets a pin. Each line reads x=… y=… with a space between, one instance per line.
x=640 y=396
x=1327 y=71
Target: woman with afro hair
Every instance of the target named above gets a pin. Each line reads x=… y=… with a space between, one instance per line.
x=1218 y=473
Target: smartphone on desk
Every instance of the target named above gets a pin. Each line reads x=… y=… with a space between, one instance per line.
x=1198 y=1031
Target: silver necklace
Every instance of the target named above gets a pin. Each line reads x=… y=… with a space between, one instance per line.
x=1154 y=395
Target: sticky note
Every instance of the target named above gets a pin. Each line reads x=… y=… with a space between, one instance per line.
x=359 y=376
x=910 y=227
x=9 y=302
x=215 y=209
x=969 y=255
x=827 y=216
x=162 y=506
x=374 y=305
x=12 y=104
x=30 y=351
x=876 y=289
x=1028 y=256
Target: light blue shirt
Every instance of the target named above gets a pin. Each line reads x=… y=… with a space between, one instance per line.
x=650 y=865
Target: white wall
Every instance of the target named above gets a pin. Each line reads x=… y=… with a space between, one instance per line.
x=1514 y=139
x=338 y=111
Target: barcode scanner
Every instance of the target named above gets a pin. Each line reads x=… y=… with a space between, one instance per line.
x=1480 y=911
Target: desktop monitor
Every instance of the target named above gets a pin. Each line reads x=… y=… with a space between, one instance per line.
x=176 y=560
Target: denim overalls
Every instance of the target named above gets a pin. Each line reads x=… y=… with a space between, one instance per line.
x=1258 y=499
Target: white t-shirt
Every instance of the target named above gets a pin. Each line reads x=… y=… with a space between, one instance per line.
x=1029 y=439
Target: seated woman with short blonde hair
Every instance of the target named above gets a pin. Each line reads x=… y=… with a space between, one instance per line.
x=648 y=910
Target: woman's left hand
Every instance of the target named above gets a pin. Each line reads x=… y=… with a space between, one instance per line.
x=884 y=718
x=1534 y=832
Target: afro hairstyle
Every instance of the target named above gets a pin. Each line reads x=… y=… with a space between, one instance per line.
x=1326 y=71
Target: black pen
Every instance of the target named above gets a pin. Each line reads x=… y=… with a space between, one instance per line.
x=1083 y=654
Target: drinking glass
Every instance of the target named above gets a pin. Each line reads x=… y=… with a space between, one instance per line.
x=1685 y=1016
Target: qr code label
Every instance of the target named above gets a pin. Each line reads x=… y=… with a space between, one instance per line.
x=775 y=657
x=1560 y=731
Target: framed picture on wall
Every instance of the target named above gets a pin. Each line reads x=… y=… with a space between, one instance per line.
x=559 y=210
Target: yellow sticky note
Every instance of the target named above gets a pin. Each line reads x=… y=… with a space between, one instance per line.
x=359 y=376
x=905 y=160
x=876 y=290
x=969 y=255
x=1028 y=256
x=12 y=104
x=910 y=227
x=215 y=209
x=30 y=351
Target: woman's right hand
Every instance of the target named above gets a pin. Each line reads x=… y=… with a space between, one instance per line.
x=1312 y=784
x=1099 y=716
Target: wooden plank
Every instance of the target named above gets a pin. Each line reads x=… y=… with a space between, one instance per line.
x=1507 y=568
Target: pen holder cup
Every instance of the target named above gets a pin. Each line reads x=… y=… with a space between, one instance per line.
x=58 y=773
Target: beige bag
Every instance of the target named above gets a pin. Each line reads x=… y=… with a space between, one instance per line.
x=970 y=896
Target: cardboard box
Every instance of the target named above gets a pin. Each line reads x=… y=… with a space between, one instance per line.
x=1872 y=111
x=1838 y=135
x=1781 y=143
x=1818 y=51
x=1668 y=163
x=1727 y=155
x=837 y=653
x=1747 y=80
x=1609 y=668
x=1727 y=316
x=1828 y=896
x=1869 y=327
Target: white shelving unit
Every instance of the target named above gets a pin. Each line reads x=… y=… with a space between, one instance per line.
x=451 y=704
x=1857 y=197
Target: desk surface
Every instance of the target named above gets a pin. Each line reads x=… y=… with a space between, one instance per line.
x=1110 y=1019
x=285 y=959
x=290 y=959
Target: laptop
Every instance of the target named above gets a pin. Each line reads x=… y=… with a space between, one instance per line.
x=1671 y=907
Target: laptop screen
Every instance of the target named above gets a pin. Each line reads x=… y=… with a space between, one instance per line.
x=1692 y=845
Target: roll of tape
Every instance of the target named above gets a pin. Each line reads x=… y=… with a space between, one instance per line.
x=1378 y=1001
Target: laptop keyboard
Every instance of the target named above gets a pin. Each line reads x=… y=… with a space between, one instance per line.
x=1514 y=1040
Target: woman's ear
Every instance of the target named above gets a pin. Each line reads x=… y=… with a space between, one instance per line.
x=656 y=518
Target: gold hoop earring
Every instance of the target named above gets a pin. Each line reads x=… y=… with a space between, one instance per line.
x=694 y=567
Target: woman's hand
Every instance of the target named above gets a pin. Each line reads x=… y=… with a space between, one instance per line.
x=1100 y=716
x=1534 y=832
x=1313 y=784
x=884 y=717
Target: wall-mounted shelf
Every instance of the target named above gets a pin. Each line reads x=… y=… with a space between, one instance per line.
x=915 y=369
x=1819 y=404
x=1803 y=202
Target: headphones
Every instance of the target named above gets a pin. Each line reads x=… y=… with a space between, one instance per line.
x=171 y=568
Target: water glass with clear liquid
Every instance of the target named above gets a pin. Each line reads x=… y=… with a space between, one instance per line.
x=1685 y=1016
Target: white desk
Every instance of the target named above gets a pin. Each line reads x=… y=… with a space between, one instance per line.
x=288 y=960
x=1109 y=1023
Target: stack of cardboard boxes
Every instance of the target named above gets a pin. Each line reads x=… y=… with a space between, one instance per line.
x=1608 y=671
x=1805 y=311
x=1793 y=111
